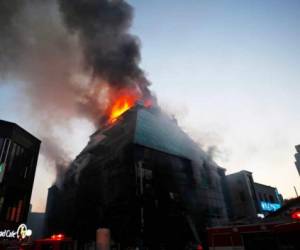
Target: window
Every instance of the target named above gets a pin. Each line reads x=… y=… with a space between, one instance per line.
x=271 y=198
x=1 y=203
x=11 y=155
x=4 y=149
x=1 y=143
x=19 y=210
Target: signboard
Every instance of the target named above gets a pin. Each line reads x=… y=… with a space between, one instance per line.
x=21 y=233
x=269 y=207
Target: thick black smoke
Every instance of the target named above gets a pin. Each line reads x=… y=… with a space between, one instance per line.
x=109 y=50
x=67 y=58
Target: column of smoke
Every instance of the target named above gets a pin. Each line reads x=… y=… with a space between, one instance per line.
x=68 y=57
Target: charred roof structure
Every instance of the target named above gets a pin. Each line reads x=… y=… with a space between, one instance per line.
x=144 y=179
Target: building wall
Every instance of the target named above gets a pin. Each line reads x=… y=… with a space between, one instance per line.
x=131 y=178
x=18 y=158
x=248 y=199
x=268 y=198
x=242 y=195
x=159 y=132
x=35 y=222
x=211 y=203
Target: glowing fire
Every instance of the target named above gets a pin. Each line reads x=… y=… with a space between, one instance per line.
x=123 y=100
x=121 y=105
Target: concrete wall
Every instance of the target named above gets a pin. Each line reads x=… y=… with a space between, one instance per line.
x=242 y=195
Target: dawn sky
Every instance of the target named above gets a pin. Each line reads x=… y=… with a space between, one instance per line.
x=228 y=70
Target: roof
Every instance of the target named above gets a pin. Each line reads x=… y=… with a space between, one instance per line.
x=263 y=185
x=10 y=126
x=157 y=130
x=14 y=131
x=239 y=173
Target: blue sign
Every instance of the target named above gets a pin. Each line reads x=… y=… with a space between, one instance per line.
x=270 y=207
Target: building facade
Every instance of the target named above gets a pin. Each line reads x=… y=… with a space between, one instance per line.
x=144 y=179
x=268 y=198
x=248 y=199
x=18 y=158
x=242 y=195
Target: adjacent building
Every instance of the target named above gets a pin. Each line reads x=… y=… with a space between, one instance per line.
x=18 y=158
x=249 y=199
x=36 y=222
x=243 y=198
x=268 y=198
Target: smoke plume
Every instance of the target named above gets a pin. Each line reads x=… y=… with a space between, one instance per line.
x=68 y=58
x=109 y=50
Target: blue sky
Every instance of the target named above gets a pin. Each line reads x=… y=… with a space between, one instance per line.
x=229 y=71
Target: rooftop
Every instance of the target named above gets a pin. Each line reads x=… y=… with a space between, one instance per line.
x=15 y=132
x=157 y=130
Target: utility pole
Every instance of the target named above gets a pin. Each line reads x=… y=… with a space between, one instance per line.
x=296 y=191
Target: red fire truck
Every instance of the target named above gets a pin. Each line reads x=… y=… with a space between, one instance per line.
x=269 y=236
x=55 y=242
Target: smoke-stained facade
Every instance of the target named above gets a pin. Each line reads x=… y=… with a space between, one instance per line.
x=143 y=178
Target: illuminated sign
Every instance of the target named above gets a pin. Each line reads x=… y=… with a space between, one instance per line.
x=8 y=234
x=21 y=233
x=270 y=207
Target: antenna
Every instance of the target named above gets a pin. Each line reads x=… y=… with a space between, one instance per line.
x=296 y=191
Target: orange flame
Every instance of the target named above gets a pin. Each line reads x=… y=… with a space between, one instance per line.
x=121 y=105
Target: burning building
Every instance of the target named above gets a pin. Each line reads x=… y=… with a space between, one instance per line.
x=140 y=175
x=143 y=178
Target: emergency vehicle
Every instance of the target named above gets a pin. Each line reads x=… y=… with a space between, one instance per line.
x=55 y=242
x=269 y=236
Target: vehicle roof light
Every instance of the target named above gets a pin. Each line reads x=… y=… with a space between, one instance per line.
x=296 y=215
x=57 y=237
